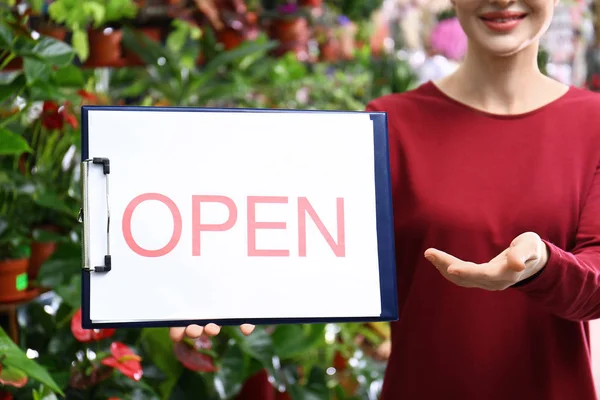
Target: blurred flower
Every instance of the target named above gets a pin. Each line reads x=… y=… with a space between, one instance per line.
x=87 y=97
x=83 y=379
x=449 y=39
x=287 y=8
x=193 y=359
x=125 y=360
x=88 y=335
x=343 y=20
x=55 y=116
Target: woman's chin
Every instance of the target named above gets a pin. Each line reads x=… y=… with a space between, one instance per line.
x=504 y=49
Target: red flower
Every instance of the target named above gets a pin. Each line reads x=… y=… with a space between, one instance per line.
x=87 y=97
x=55 y=116
x=88 y=335
x=192 y=357
x=125 y=360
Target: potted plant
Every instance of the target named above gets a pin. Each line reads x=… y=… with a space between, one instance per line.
x=14 y=261
x=43 y=24
x=105 y=40
x=76 y=16
x=288 y=24
x=93 y=40
x=14 y=229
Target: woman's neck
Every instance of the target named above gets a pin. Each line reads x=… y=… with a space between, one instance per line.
x=502 y=85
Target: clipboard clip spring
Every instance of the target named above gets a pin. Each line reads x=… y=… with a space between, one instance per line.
x=83 y=216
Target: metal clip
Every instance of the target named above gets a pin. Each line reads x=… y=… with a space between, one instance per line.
x=84 y=215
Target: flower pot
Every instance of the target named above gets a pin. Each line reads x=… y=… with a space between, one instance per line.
x=329 y=51
x=56 y=32
x=105 y=48
x=230 y=38
x=152 y=33
x=293 y=35
x=41 y=250
x=13 y=279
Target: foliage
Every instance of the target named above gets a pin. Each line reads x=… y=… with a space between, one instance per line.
x=356 y=10
x=39 y=186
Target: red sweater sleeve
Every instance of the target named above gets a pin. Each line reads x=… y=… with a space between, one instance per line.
x=569 y=285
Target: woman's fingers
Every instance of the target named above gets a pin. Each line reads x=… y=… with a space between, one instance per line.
x=212 y=329
x=247 y=329
x=195 y=331
x=177 y=333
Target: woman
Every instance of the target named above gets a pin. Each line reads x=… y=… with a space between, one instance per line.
x=497 y=214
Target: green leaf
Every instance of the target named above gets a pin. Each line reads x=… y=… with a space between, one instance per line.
x=317 y=383
x=6 y=37
x=60 y=268
x=44 y=393
x=37 y=5
x=238 y=53
x=45 y=235
x=16 y=358
x=35 y=70
x=315 y=388
x=71 y=293
x=159 y=349
x=42 y=91
x=53 y=51
x=12 y=143
x=80 y=44
x=12 y=87
x=259 y=346
x=54 y=272
x=231 y=374
x=69 y=76
x=293 y=340
x=288 y=340
x=12 y=377
x=52 y=201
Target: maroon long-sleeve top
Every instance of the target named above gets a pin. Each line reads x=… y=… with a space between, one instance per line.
x=468 y=182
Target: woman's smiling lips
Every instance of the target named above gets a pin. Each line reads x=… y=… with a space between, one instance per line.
x=502 y=21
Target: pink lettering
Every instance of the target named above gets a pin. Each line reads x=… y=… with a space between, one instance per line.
x=304 y=206
x=198 y=227
x=253 y=225
x=177 y=225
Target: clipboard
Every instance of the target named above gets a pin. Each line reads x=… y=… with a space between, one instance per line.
x=231 y=216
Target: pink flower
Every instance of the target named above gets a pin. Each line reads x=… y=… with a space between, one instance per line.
x=449 y=39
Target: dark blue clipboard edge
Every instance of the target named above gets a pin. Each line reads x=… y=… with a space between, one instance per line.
x=385 y=227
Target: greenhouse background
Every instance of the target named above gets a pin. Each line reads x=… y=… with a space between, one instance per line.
x=56 y=56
